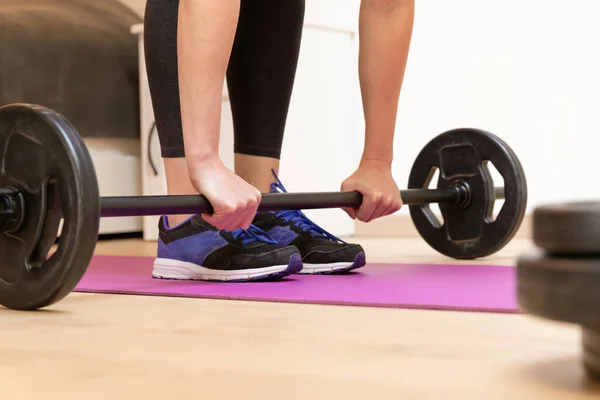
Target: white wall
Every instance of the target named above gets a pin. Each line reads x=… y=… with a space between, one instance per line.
x=526 y=70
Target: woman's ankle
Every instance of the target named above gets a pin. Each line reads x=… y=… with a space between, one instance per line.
x=178 y=183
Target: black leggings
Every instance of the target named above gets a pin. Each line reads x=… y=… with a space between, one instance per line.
x=260 y=74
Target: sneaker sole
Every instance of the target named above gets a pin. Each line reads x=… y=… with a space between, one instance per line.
x=169 y=269
x=335 y=268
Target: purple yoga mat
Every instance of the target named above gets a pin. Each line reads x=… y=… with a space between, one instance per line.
x=420 y=286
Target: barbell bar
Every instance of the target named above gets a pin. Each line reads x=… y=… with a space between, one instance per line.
x=129 y=206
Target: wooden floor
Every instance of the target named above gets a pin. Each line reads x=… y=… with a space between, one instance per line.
x=122 y=347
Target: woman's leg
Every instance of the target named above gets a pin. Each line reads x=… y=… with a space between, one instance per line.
x=199 y=55
x=260 y=79
x=190 y=248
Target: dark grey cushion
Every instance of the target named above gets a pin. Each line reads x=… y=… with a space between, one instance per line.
x=77 y=57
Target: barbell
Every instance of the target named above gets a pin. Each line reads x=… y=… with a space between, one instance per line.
x=47 y=176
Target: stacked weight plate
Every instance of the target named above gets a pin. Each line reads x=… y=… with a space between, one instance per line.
x=560 y=279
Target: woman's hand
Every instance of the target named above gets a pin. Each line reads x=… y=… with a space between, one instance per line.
x=381 y=196
x=234 y=201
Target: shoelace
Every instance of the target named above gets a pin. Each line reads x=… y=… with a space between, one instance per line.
x=298 y=217
x=251 y=235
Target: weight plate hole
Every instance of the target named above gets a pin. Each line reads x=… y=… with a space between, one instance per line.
x=432 y=183
x=49 y=235
x=498 y=181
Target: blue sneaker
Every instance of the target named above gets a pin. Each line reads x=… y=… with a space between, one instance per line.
x=321 y=251
x=196 y=250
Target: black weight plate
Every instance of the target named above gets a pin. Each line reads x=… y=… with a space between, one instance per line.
x=462 y=155
x=44 y=157
x=560 y=289
x=569 y=228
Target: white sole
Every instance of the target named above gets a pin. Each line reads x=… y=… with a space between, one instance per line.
x=321 y=268
x=165 y=268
